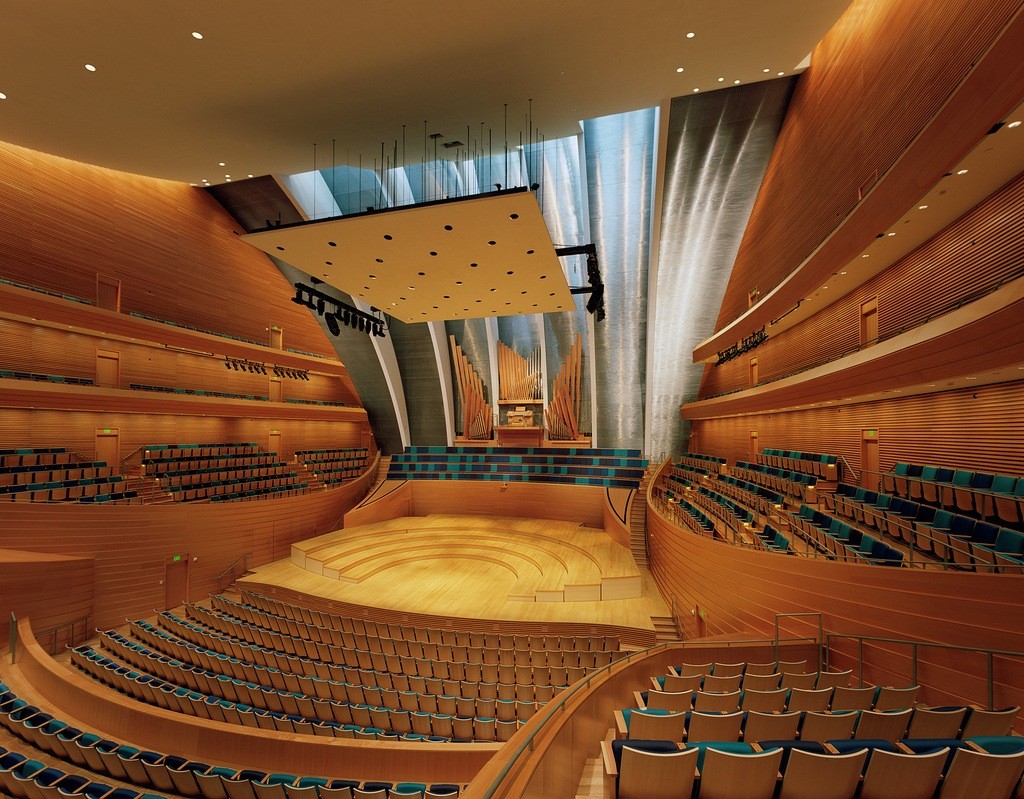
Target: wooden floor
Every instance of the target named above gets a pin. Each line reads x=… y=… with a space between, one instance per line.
x=475 y=567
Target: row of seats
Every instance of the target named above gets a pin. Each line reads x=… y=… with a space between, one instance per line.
x=766 y=494
x=11 y=374
x=311 y=685
x=163 y=772
x=561 y=452
x=241 y=488
x=392 y=663
x=156 y=452
x=692 y=516
x=187 y=465
x=333 y=466
x=817 y=463
x=325 y=403
x=27 y=456
x=473 y=456
x=799 y=486
x=952 y=538
x=711 y=461
x=397 y=472
x=34 y=473
x=327 y=624
x=47 y=292
x=833 y=769
x=316 y=717
x=198 y=392
x=796 y=694
x=842 y=541
x=88 y=490
x=989 y=496
x=186 y=477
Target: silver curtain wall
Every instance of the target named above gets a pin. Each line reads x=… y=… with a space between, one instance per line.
x=718 y=148
x=619 y=169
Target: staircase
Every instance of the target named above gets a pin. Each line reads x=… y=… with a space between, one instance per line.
x=382 y=473
x=664 y=629
x=306 y=475
x=638 y=518
x=149 y=490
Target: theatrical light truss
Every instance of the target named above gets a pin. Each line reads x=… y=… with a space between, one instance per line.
x=254 y=367
x=595 y=305
x=753 y=341
x=336 y=313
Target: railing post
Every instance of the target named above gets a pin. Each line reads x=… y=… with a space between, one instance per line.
x=13 y=638
x=860 y=661
x=991 y=685
x=821 y=642
x=913 y=665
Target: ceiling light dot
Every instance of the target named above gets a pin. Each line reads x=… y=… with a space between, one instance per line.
x=388 y=237
x=865 y=255
x=962 y=172
x=329 y=263
x=402 y=299
x=1014 y=124
x=680 y=69
x=3 y=96
x=736 y=82
x=458 y=282
x=325 y=274
x=465 y=309
x=690 y=35
x=529 y=252
x=513 y=216
x=433 y=253
x=721 y=80
x=367 y=288
x=332 y=244
x=448 y=227
x=510 y=272
x=281 y=249
x=921 y=207
x=250 y=175
x=479 y=300
x=90 y=67
x=781 y=74
x=696 y=89
x=373 y=277
x=522 y=292
x=447 y=296
x=842 y=273
x=422 y=274
x=474 y=265
x=508 y=303
x=413 y=288
x=893 y=233
x=766 y=70
x=543 y=277
x=228 y=177
x=379 y=260
x=552 y=294
x=535 y=304
x=493 y=289
x=197 y=35
x=221 y=163
x=492 y=243
x=434 y=307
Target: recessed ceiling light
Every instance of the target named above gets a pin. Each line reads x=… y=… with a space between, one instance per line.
x=90 y=67
x=970 y=378
x=3 y=96
x=736 y=82
x=250 y=175
x=721 y=80
x=962 y=172
x=1014 y=124
x=690 y=35
x=893 y=233
x=921 y=207
x=680 y=69
x=228 y=177
x=781 y=74
x=221 y=164
x=824 y=287
x=696 y=90
x=197 y=35
x=865 y=255
x=842 y=273
x=766 y=70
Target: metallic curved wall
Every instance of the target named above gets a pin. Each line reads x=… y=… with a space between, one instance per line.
x=620 y=168
x=718 y=148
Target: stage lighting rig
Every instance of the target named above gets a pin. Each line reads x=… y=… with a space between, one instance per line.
x=595 y=304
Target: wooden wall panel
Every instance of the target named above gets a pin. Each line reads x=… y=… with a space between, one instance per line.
x=52 y=589
x=984 y=246
x=77 y=430
x=131 y=544
x=174 y=249
x=583 y=504
x=876 y=80
x=971 y=428
x=741 y=590
x=72 y=353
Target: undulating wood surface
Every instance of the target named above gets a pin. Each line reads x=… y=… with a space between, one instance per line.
x=551 y=767
x=52 y=427
x=54 y=590
x=29 y=347
x=69 y=694
x=173 y=248
x=439 y=563
x=740 y=590
x=131 y=544
x=971 y=428
x=869 y=88
x=983 y=247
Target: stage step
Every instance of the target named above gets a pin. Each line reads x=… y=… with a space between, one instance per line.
x=664 y=629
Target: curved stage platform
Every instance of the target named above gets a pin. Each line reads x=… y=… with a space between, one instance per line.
x=473 y=567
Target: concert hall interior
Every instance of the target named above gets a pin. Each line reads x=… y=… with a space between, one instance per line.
x=402 y=401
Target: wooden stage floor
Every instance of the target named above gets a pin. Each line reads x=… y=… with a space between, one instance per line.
x=477 y=567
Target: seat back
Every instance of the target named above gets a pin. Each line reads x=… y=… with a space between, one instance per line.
x=770 y=726
x=828 y=726
x=661 y=727
x=929 y=723
x=714 y=727
x=907 y=776
x=885 y=726
x=656 y=775
x=813 y=776
x=729 y=776
x=975 y=774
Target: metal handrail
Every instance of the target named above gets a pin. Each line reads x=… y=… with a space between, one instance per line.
x=849 y=468
x=231 y=568
x=131 y=455
x=53 y=631
x=12 y=638
x=820 y=639
x=915 y=645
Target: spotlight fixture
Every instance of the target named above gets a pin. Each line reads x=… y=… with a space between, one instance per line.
x=336 y=313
